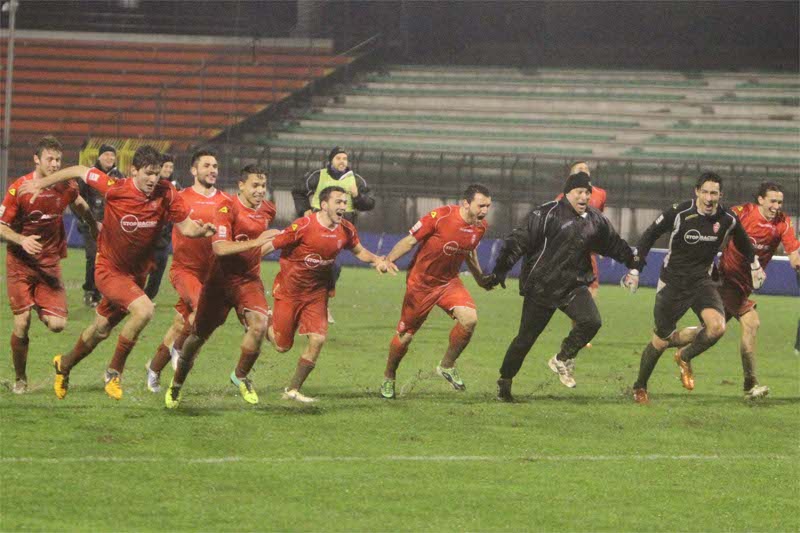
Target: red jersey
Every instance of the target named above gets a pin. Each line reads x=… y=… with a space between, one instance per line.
x=43 y=217
x=765 y=235
x=133 y=220
x=597 y=200
x=195 y=255
x=237 y=222
x=445 y=240
x=308 y=250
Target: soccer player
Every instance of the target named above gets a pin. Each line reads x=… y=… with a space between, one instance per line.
x=136 y=209
x=767 y=227
x=698 y=228
x=233 y=282
x=37 y=243
x=309 y=247
x=337 y=172
x=447 y=236
x=191 y=261
x=556 y=243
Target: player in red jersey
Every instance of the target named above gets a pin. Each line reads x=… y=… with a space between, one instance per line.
x=234 y=282
x=136 y=209
x=37 y=243
x=448 y=236
x=309 y=247
x=767 y=227
x=191 y=261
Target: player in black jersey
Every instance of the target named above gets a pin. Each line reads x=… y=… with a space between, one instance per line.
x=698 y=229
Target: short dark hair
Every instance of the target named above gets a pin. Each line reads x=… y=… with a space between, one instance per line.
x=708 y=176
x=325 y=194
x=146 y=156
x=202 y=153
x=470 y=192
x=251 y=169
x=577 y=162
x=167 y=158
x=767 y=186
x=48 y=142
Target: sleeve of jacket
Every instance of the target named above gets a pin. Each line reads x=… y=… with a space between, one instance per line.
x=614 y=246
x=302 y=192
x=363 y=202
x=660 y=225
x=520 y=242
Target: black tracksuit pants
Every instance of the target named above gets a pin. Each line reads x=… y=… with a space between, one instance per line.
x=579 y=306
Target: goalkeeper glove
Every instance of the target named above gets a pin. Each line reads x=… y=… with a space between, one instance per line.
x=757 y=274
x=630 y=280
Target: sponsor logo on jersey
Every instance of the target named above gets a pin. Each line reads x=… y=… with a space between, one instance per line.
x=693 y=236
x=452 y=248
x=433 y=214
x=130 y=224
x=758 y=246
x=315 y=260
x=38 y=216
x=12 y=191
x=223 y=210
x=110 y=182
x=294 y=227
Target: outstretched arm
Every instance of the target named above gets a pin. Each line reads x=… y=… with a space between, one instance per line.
x=380 y=263
x=35 y=186
x=401 y=248
x=195 y=230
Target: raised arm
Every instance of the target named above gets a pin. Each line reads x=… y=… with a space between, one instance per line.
x=34 y=186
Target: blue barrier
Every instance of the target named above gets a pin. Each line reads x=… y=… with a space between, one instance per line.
x=781 y=278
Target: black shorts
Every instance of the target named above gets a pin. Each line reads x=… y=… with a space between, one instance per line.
x=672 y=303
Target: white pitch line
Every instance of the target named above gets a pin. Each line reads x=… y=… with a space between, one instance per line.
x=397 y=459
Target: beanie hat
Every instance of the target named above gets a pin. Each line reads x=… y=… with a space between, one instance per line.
x=336 y=151
x=576 y=181
x=106 y=148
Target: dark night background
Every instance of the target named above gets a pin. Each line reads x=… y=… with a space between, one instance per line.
x=730 y=35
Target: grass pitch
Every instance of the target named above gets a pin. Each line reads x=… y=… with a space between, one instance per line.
x=435 y=459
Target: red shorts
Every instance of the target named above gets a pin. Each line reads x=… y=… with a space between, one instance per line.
x=188 y=286
x=219 y=296
x=596 y=271
x=419 y=301
x=302 y=315
x=735 y=299
x=119 y=289
x=36 y=287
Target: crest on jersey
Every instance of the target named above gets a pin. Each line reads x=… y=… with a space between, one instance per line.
x=12 y=192
x=433 y=214
x=715 y=227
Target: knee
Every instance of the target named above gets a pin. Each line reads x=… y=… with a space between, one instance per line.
x=469 y=321
x=258 y=328
x=144 y=312
x=56 y=324
x=282 y=349
x=591 y=325
x=750 y=323
x=316 y=339
x=715 y=329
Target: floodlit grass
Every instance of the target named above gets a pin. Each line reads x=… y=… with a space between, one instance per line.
x=435 y=459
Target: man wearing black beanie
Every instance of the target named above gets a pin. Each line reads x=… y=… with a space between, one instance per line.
x=106 y=162
x=555 y=243
x=335 y=173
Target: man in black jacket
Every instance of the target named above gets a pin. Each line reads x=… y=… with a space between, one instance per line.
x=106 y=162
x=336 y=173
x=698 y=229
x=556 y=243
